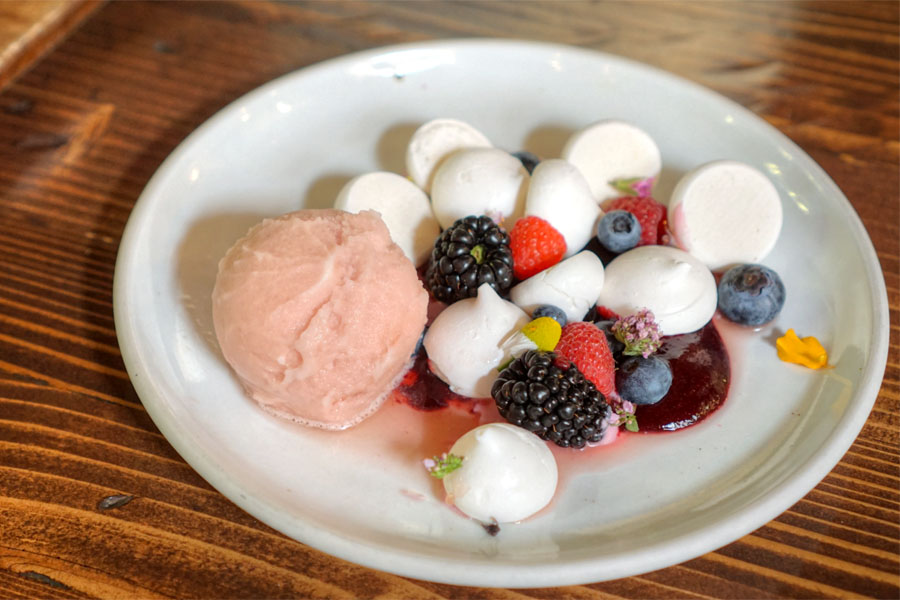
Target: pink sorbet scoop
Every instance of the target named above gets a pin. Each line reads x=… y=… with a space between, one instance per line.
x=318 y=312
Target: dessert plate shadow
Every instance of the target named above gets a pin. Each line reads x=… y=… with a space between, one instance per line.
x=643 y=503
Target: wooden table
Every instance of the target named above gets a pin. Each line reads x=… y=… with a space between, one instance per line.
x=82 y=131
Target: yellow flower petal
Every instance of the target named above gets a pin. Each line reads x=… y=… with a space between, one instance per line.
x=807 y=352
x=544 y=332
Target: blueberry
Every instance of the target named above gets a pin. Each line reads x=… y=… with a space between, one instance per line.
x=554 y=312
x=615 y=346
x=642 y=380
x=528 y=160
x=618 y=231
x=751 y=294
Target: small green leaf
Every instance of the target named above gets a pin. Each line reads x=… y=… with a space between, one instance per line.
x=443 y=465
x=641 y=187
x=632 y=425
x=639 y=347
x=632 y=348
x=626 y=186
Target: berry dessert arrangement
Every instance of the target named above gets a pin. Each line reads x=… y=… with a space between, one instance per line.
x=557 y=291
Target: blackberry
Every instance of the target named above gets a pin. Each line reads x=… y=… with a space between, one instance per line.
x=556 y=403
x=471 y=252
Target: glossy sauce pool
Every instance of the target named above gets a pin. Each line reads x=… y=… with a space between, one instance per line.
x=701 y=375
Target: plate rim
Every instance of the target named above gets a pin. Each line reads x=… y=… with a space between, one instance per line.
x=483 y=573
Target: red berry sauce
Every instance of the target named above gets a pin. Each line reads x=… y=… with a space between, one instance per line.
x=421 y=389
x=700 y=378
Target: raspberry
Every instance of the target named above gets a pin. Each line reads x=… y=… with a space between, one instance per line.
x=536 y=245
x=651 y=215
x=585 y=345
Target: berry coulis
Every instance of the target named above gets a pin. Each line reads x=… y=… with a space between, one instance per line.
x=421 y=389
x=700 y=378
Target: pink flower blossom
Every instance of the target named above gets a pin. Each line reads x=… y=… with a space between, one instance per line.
x=644 y=187
x=639 y=332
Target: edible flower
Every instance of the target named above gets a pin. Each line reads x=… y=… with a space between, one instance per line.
x=541 y=334
x=634 y=186
x=639 y=332
x=807 y=351
x=623 y=415
x=544 y=332
x=495 y=215
x=439 y=466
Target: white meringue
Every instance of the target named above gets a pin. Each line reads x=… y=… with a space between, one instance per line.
x=433 y=142
x=559 y=194
x=507 y=474
x=572 y=285
x=725 y=213
x=479 y=181
x=675 y=286
x=465 y=343
x=610 y=150
x=403 y=207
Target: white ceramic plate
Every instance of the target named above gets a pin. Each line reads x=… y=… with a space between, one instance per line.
x=646 y=502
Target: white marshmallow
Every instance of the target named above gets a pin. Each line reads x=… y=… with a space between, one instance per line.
x=572 y=285
x=610 y=150
x=479 y=181
x=725 y=213
x=465 y=343
x=677 y=287
x=559 y=194
x=507 y=474
x=434 y=141
x=403 y=207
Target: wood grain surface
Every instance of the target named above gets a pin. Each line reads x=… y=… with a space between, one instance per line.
x=94 y=502
x=29 y=28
